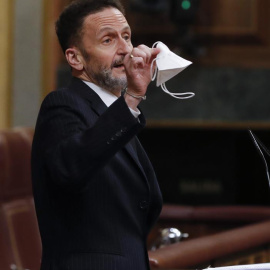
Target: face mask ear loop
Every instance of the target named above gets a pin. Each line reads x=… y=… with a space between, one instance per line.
x=185 y=95
x=155 y=44
x=153 y=74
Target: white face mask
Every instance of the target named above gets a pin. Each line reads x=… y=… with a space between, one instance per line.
x=168 y=64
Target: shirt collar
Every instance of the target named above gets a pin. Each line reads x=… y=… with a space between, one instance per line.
x=107 y=97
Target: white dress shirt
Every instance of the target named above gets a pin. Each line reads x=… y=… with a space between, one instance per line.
x=107 y=97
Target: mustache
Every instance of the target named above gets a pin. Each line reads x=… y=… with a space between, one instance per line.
x=118 y=62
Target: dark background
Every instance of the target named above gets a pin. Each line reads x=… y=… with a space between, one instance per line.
x=208 y=166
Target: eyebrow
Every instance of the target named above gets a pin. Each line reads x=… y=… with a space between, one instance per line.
x=111 y=29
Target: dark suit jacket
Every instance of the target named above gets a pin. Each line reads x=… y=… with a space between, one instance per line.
x=96 y=198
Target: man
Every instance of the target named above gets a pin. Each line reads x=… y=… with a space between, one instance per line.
x=95 y=190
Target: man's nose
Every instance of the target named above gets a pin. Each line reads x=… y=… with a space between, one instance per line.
x=124 y=47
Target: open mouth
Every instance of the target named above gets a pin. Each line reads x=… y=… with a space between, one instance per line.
x=119 y=66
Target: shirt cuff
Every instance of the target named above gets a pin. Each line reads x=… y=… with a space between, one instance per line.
x=135 y=113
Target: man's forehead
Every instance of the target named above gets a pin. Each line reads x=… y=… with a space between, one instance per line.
x=107 y=18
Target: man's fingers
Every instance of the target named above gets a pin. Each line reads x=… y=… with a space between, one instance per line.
x=155 y=52
x=137 y=52
x=141 y=56
x=137 y=62
x=147 y=51
x=148 y=54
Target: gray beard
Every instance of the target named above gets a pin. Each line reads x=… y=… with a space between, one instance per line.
x=105 y=80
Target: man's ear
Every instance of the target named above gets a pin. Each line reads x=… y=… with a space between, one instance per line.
x=75 y=60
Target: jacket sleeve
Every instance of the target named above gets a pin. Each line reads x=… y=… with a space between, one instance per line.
x=75 y=143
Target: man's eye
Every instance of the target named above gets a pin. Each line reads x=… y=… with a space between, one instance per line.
x=107 y=41
x=127 y=37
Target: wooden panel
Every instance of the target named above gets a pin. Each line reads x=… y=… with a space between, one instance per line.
x=235 y=33
x=143 y=24
x=219 y=17
x=6 y=16
x=52 y=53
x=148 y=28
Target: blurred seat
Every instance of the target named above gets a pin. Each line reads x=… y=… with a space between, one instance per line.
x=219 y=235
x=6 y=254
x=20 y=244
x=15 y=168
x=19 y=217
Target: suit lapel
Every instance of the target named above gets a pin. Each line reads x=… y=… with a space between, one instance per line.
x=90 y=95
x=99 y=107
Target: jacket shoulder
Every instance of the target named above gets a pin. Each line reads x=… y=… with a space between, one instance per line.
x=62 y=97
